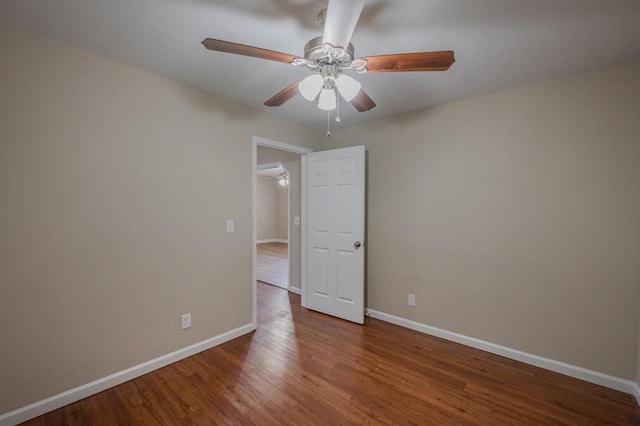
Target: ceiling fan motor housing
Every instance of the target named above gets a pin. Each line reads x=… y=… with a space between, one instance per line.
x=317 y=52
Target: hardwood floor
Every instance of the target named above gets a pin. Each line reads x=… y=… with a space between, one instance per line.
x=300 y=367
x=272 y=264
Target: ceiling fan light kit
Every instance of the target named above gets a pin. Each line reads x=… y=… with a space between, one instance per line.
x=327 y=101
x=327 y=57
x=311 y=86
x=283 y=179
x=348 y=87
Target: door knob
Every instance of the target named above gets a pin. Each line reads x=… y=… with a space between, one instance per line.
x=357 y=244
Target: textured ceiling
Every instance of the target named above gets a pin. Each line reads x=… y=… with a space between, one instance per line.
x=498 y=43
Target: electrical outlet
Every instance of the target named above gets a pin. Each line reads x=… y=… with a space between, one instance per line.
x=230 y=226
x=186 y=321
x=411 y=299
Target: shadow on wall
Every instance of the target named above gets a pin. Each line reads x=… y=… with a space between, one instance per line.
x=210 y=102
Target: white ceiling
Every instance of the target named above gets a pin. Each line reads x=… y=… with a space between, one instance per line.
x=497 y=43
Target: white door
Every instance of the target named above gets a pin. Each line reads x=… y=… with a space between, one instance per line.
x=335 y=233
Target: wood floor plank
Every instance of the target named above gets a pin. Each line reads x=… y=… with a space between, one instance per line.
x=304 y=368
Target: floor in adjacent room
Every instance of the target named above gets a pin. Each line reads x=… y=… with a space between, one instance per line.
x=301 y=367
x=272 y=264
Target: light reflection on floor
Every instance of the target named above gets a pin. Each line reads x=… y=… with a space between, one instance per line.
x=276 y=333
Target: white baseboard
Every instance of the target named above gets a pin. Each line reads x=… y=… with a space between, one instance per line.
x=591 y=376
x=272 y=240
x=296 y=290
x=52 y=403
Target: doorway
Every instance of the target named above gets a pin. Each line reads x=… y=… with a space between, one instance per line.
x=269 y=154
x=273 y=210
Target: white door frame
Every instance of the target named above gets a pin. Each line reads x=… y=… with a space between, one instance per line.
x=258 y=141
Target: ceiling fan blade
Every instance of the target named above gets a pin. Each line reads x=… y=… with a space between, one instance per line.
x=242 y=49
x=342 y=17
x=362 y=102
x=284 y=95
x=425 y=61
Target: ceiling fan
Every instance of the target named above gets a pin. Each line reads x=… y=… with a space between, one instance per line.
x=332 y=54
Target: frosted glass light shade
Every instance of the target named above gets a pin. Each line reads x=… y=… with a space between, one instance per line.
x=310 y=86
x=348 y=87
x=327 y=99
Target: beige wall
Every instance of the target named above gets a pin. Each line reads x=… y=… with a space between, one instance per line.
x=115 y=186
x=265 y=208
x=271 y=209
x=514 y=217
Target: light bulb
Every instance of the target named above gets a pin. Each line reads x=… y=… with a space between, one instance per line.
x=310 y=86
x=348 y=87
x=327 y=100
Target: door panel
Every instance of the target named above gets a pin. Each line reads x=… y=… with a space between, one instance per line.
x=335 y=212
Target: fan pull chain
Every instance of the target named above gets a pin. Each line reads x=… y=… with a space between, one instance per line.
x=337 y=108
x=328 y=125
